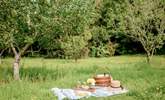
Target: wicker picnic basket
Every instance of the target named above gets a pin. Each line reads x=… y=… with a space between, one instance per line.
x=103 y=80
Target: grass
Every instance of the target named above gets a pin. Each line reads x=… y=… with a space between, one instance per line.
x=38 y=76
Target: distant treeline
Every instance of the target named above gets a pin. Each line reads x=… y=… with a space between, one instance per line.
x=75 y=28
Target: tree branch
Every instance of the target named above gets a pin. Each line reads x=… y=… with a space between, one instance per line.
x=25 y=48
x=13 y=49
x=2 y=51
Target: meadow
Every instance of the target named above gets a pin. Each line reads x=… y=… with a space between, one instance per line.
x=38 y=75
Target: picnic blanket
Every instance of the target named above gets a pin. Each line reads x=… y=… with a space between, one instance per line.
x=78 y=94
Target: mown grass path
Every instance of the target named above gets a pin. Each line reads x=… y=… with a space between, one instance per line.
x=38 y=76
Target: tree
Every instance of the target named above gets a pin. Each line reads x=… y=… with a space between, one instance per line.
x=22 y=23
x=101 y=43
x=2 y=47
x=102 y=31
x=74 y=45
x=145 y=22
x=72 y=30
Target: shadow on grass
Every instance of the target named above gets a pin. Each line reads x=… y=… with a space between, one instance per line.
x=32 y=74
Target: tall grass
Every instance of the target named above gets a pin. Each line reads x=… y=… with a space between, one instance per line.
x=38 y=76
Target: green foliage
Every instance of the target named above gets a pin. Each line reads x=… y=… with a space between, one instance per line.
x=107 y=26
x=22 y=22
x=113 y=11
x=72 y=46
x=48 y=24
x=101 y=44
x=74 y=16
x=145 y=22
x=70 y=32
x=103 y=50
x=4 y=41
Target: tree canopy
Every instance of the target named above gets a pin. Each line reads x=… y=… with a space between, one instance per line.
x=64 y=28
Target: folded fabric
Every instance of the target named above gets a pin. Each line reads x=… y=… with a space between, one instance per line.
x=104 y=92
x=74 y=95
x=69 y=93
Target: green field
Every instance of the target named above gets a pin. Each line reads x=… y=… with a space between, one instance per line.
x=38 y=76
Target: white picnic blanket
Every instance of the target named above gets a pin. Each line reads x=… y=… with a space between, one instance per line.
x=100 y=92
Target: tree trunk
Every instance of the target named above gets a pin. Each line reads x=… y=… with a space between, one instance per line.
x=0 y=60
x=16 y=66
x=149 y=56
x=1 y=55
x=76 y=59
